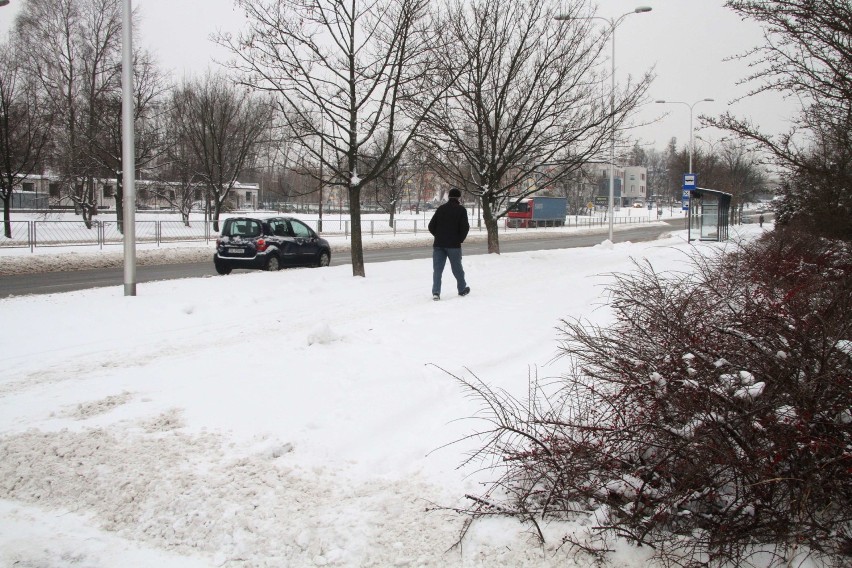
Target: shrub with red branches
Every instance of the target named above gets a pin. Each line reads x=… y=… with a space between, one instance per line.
x=712 y=421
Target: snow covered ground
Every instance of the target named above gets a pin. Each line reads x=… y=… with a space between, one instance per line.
x=296 y=418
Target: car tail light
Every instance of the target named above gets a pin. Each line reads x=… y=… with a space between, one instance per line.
x=261 y=245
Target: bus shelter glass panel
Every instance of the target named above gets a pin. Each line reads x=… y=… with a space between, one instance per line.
x=694 y=215
x=709 y=218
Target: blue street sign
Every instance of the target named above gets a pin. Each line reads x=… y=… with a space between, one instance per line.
x=689 y=181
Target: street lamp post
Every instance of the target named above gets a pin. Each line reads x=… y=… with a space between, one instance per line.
x=128 y=151
x=613 y=23
x=691 y=142
x=691 y=147
x=322 y=158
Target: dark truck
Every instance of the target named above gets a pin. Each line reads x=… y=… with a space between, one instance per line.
x=538 y=212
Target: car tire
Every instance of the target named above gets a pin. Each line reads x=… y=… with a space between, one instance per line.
x=221 y=268
x=272 y=264
x=323 y=259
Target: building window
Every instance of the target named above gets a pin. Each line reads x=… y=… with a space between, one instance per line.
x=108 y=192
x=53 y=189
x=28 y=186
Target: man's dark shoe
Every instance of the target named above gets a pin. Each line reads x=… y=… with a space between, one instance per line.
x=465 y=292
x=436 y=297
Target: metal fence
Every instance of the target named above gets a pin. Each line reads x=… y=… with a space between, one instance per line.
x=32 y=234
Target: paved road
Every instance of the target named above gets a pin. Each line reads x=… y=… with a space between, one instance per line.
x=53 y=282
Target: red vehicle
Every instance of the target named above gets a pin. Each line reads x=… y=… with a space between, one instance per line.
x=538 y=212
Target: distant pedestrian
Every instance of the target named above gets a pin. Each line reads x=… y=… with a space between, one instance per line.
x=449 y=226
x=760 y=220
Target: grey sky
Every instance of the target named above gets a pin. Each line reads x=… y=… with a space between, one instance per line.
x=687 y=40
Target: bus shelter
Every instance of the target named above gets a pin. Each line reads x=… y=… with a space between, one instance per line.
x=708 y=214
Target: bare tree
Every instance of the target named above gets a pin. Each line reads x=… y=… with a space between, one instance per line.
x=425 y=179
x=101 y=80
x=346 y=73
x=806 y=53
x=579 y=188
x=49 y=33
x=106 y=125
x=221 y=125
x=74 y=48
x=277 y=153
x=658 y=171
x=528 y=110
x=816 y=196
x=24 y=128
x=740 y=174
x=290 y=173
x=390 y=188
x=181 y=183
x=731 y=166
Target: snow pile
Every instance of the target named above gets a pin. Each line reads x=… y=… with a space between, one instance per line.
x=150 y=482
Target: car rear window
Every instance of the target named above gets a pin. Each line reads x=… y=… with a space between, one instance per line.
x=241 y=228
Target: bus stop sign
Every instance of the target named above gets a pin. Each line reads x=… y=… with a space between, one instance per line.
x=688 y=185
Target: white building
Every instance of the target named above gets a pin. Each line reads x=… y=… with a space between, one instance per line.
x=631 y=184
x=635 y=186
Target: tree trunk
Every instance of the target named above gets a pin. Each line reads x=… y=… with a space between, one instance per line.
x=87 y=215
x=119 y=205
x=490 y=227
x=217 y=207
x=88 y=207
x=356 y=245
x=7 y=217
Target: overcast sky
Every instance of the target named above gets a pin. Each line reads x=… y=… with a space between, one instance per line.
x=687 y=41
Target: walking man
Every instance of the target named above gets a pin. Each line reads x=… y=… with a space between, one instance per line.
x=449 y=226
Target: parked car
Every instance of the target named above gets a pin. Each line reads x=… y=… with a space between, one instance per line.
x=268 y=244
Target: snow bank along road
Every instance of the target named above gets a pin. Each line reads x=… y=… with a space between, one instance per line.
x=83 y=258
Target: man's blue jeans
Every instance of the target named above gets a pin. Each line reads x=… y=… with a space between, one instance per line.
x=439 y=260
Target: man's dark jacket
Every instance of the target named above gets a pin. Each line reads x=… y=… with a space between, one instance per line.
x=449 y=225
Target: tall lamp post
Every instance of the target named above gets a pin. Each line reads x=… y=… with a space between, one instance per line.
x=691 y=140
x=613 y=23
x=128 y=151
